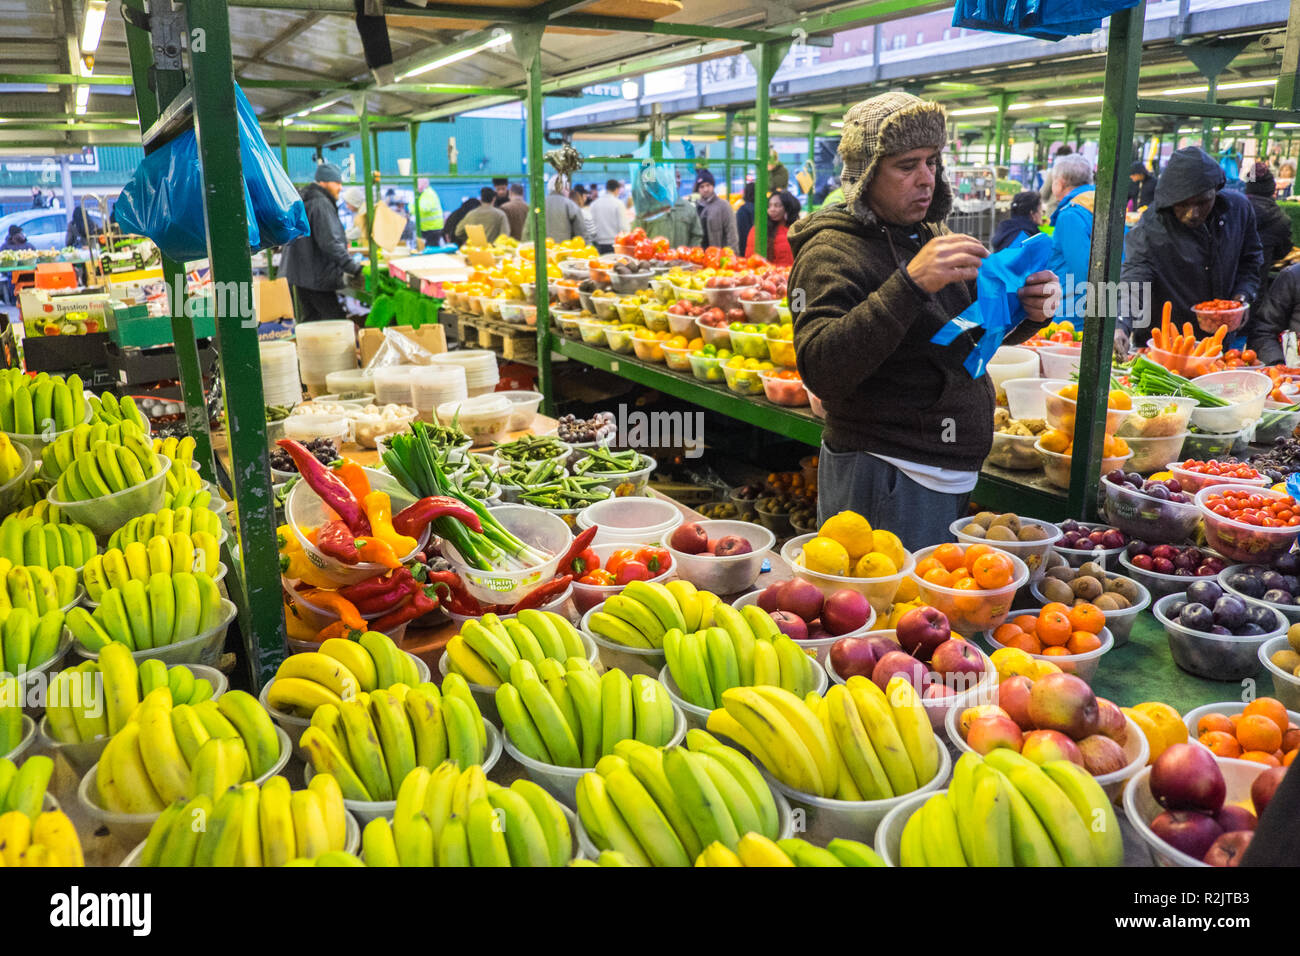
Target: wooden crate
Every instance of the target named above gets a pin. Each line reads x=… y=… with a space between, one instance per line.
x=514 y=342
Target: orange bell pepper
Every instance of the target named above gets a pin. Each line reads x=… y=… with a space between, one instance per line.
x=354 y=476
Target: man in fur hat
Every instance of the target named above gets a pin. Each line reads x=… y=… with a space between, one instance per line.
x=907 y=428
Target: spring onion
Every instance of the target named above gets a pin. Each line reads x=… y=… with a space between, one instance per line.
x=1153 y=379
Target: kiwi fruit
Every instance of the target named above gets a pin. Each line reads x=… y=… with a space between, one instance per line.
x=1086 y=588
x=1061 y=573
x=1010 y=521
x=973 y=530
x=1032 y=532
x=984 y=518
x=1091 y=569
x=1108 y=602
x=1124 y=587
x=1054 y=560
x=1000 y=532
x=1293 y=637
x=1289 y=661
x=1056 y=591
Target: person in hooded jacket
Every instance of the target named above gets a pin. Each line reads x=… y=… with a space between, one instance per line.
x=907 y=427
x=1142 y=186
x=1196 y=242
x=316 y=265
x=1024 y=221
x=1271 y=222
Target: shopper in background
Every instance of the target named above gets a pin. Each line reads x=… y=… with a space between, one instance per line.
x=680 y=225
x=1272 y=224
x=316 y=265
x=778 y=177
x=1197 y=241
x=516 y=210
x=501 y=186
x=608 y=217
x=716 y=214
x=1142 y=187
x=355 y=200
x=430 y=207
x=16 y=239
x=1072 y=229
x=834 y=193
x=38 y=198
x=782 y=213
x=77 y=234
x=1278 y=312
x=907 y=428
x=582 y=199
x=745 y=216
x=1045 y=193
x=1024 y=221
x=492 y=219
x=563 y=217
x=468 y=205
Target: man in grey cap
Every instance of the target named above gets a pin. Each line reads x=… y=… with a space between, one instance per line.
x=907 y=428
x=316 y=265
x=716 y=215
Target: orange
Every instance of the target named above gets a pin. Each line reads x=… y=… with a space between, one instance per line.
x=937 y=576
x=1272 y=709
x=1261 y=756
x=1087 y=617
x=1070 y=391
x=1216 y=723
x=961 y=574
x=1234 y=719
x=1055 y=440
x=1053 y=607
x=1056 y=652
x=1221 y=744
x=1118 y=399
x=1005 y=632
x=1257 y=732
x=975 y=551
x=970 y=600
x=992 y=570
x=1027 y=623
x=1022 y=641
x=928 y=564
x=949 y=555
x=1081 y=642
x=1054 y=628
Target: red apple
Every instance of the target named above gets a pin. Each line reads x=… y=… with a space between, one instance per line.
x=801 y=598
x=853 y=656
x=989 y=733
x=735 y=315
x=1232 y=817
x=1102 y=755
x=1228 y=849
x=769 y=599
x=921 y=630
x=1063 y=702
x=1187 y=777
x=882 y=643
x=899 y=662
x=791 y=625
x=845 y=611
x=1041 y=746
x=732 y=544
x=1013 y=697
x=1261 y=790
x=937 y=689
x=1188 y=831
x=959 y=663
x=689 y=538
x=967 y=716
x=1111 y=721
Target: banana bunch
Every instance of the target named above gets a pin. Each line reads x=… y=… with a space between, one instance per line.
x=754 y=849
x=168 y=521
x=11 y=463
x=454 y=817
x=107 y=469
x=28 y=639
x=60 y=454
x=484 y=650
x=330 y=858
x=662 y=807
x=371 y=742
x=169 y=752
x=166 y=609
x=110 y=409
x=742 y=649
x=96 y=698
x=644 y=612
x=606 y=858
x=339 y=671
x=564 y=714
x=189 y=495
x=48 y=839
x=36 y=588
x=35 y=541
x=856 y=743
x=39 y=507
x=22 y=789
x=1005 y=810
x=11 y=714
x=181 y=476
x=41 y=405
x=250 y=825
x=140 y=560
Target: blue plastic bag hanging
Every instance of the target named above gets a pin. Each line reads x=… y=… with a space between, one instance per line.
x=164 y=201
x=281 y=215
x=1059 y=14
x=654 y=186
x=997 y=309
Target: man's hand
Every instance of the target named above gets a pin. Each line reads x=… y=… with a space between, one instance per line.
x=1122 y=345
x=945 y=260
x=1040 y=297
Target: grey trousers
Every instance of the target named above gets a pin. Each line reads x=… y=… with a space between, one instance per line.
x=875 y=489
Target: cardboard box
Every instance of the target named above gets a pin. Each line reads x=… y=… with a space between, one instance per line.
x=44 y=304
x=432 y=338
x=272 y=299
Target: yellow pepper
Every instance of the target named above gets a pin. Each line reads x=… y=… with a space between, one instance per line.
x=295 y=564
x=379 y=510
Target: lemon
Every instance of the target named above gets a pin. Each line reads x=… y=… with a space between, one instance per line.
x=887 y=543
x=826 y=556
x=1170 y=722
x=900 y=608
x=873 y=564
x=1042 y=669
x=851 y=530
x=907 y=591
x=1156 y=741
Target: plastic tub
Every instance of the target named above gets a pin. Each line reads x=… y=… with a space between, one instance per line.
x=593 y=332
x=1248 y=390
x=1149 y=454
x=1060 y=361
x=1286 y=687
x=601 y=268
x=706 y=368
x=575 y=268
x=743 y=381
x=970 y=612
x=1206 y=445
x=729 y=574
x=648 y=350
x=1239 y=541
x=629 y=312
x=484 y=419
x=1014 y=452
x=1193 y=481
x=1119 y=623
x=722 y=298
x=12 y=490
x=879 y=592
x=1189 y=366
x=568 y=323
x=749 y=344
x=304 y=509
x=760 y=310
x=697 y=718
x=626 y=484
x=1289 y=611
x=351 y=841
x=605 y=306
x=689 y=294
x=714 y=335
x=1159 y=585
x=1148 y=519
x=1032 y=553
x=1146 y=408
x=1275 y=423
x=1210 y=320
x=1010 y=362
x=1025 y=398
x=132 y=828
x=523 y=408
x=783 y=391
x=203 y=648
x=1061 y=411
x=679 y=360
x=1057 y=466
x=618 y=339
x=663 y=290
x=485 y=696
x=1083 y=666
x=631 y=660
x=682 y=325
x=106 y=514
x=309 y=426
x=1140 y=807
x=1213 y=656
x=820 y=645
x=35 y=444
x=630 y=521
x=1227 y=707
x=35 y=678
x=534 y=527
x=24 y=742
x=781 y=351
x=562 y=782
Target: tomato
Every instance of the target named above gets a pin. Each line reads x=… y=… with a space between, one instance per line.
x=632 y=571
x=657 y=560
x=598 y=576
x=619 y=558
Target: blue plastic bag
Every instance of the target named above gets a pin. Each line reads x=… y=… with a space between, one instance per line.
x=281 y=215
x=997 y=309
x=1045 y=19
x=164 y=201
x=654 y=185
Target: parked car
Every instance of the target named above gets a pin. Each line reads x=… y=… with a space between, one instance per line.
x=45 y=228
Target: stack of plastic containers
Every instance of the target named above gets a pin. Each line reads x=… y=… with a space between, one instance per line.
x=280 y=384
x=480 y=368
x=325 y=347
x=350 y=382
x=433 y=385
x=393 y=384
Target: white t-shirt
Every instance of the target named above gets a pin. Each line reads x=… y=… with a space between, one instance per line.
x=946 y=481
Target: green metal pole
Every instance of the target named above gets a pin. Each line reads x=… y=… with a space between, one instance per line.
x=528 y=46
x=762 y=113
x=372 y=277
x=414 y=130
x=1004 y=100
x=284 y=147
x=812 y=156
x=217 y=127
x=1207 y=128
x=726 y=168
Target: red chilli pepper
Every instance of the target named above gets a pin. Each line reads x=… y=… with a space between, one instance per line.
x=459 y=600
x=337 y=541
x=328 y=485
x=420 y=605
x=543 y=593
x=364 y=590
x=413 y=519
x=580 y=544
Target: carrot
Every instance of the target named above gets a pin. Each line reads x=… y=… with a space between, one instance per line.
x=1158 y=337
x=1165 y=316
x=1187 y=329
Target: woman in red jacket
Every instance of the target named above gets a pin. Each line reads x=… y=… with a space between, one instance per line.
x=782 y=211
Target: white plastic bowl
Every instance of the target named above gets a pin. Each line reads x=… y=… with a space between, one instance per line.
x=1025 y=398
x=821 y=645
x=523 y=408
x=1060 y=361
x=1141 y=807
x=1083 y=666
x=534 y=527
x=1033 y=553
x=106 y=514
x=729 y=574
x=587 y=596
x=879 y=592
x=202 y=648
x=1286 y=687
x=1119 y=623
x=1213 y=656
x=1247 y=390
x=995 y=603
x=1159 y=585
x=1289 y=611
x=12 y=489
x=1227 y=707
x=889 y=832
x=697 y=718
x=1240 y=541
x=631 y=520
x=1010 y=362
